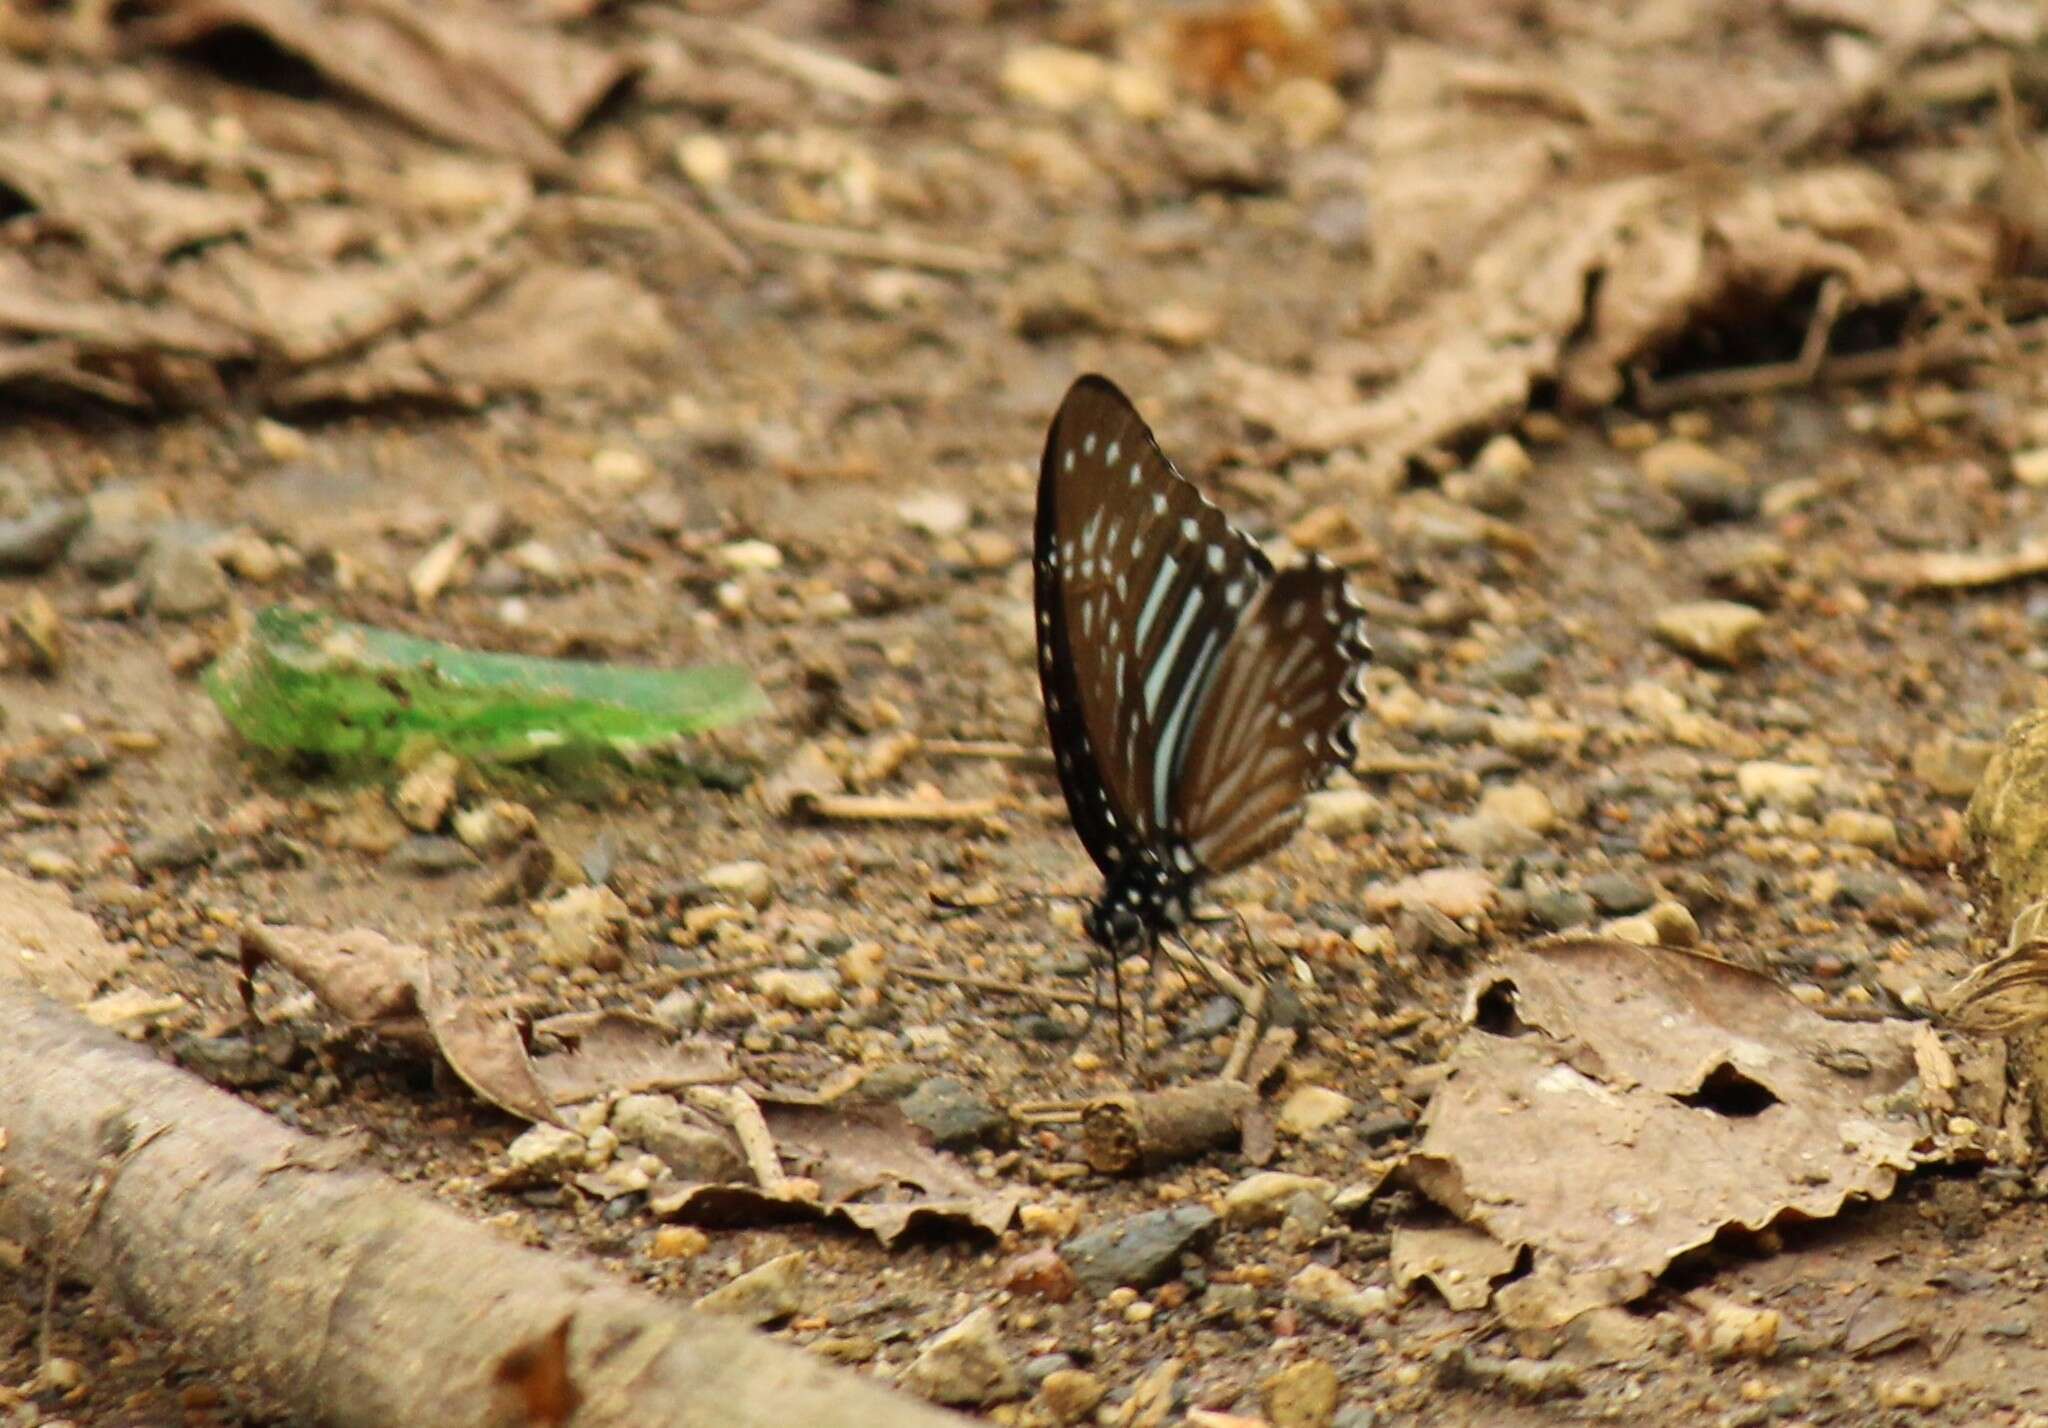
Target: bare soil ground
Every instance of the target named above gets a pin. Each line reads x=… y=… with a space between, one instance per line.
x=803 y=406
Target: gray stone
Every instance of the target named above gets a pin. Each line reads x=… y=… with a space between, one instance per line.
x=1215 y=1016
x=1619 y=894
x=430 y=856
x=1714 y=631
x=694 y=1152
x=955 y=1117
x=184 y=581
x=1518 y=669
x=173 y=851
x=111 y=550
x=39 y=539
x=1488 y=837
x=1139 y=1250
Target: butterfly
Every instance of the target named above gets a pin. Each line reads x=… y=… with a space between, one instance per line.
x=1193 y=694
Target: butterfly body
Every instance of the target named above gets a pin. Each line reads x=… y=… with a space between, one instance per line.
x=1193 y=694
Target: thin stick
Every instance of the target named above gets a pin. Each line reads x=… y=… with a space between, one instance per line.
x=994 y=984
x=817 y=68
x=1247 y=1036
x=672 y=977
x=1232 y=985
x=1047 y=1113
x=985 y=749
x=757 y=1143
x=895 y=249
x=882 y=808
x=1931 y=355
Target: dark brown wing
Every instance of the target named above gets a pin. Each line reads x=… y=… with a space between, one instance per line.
x=1276 y=720
x=1140 y=582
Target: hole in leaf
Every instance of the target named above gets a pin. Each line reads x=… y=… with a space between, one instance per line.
x=1495 y=1011
x=1727 y=1092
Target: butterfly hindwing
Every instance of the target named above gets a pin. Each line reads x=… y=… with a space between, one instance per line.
x=1277 y=720
x=1140 y=583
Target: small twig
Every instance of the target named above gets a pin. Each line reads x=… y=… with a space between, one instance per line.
x=895 y=249
x=1232 y=985
x=1247 y=1036
x=887 y=808
x=994 y=984
x=1047 y=1113
x=750 y=1127
x=814 y=67
x=676 y=976
x=1934 y=354
x=986 y=749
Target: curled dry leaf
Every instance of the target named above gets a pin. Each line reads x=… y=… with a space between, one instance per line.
x=1686 y=1096
x=1542 y=239
x=395 y=991
x=461 y=74
x=871 y=1166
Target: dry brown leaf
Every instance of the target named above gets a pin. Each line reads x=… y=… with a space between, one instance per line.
x=394 y=990
x=463 y=74
x=549 y=329
x=614 y=1051
x=84 y=183
x=52 y=945
x=873 y=1169
x=1684 y=1094
x=306 y=314
x=1570 y=217
x=1460 y=1263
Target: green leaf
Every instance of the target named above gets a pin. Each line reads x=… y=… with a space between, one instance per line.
x=311 y=684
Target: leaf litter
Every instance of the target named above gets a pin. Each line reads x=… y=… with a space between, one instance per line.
x=1687 y=1095
x=1572 y=213
x=863 y=1163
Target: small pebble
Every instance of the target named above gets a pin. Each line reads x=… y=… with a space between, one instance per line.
x=424 y=796
x=184 y=581
x=39 y=539
x=1861 y=829
x=1322 y=1290
x=966 y=1365
x=1262 y=1198
x=1619 y=894
x=1309 y=1109
x=1139 y=1250
x=493 y=827
x=763 y=1294
x=806 y=991
x=1522 y=804
x=173 y=851
x=1341 y=812
x=748 y=882
x=1737 y=1331
x=429 y=856
x=1071 y=1394
x=1040 y=1274
x=1302 y=1395
x=956 y=1118
x=1912 y=1391
x=543 y=1153
x=581 y=928
x=1795 y=788
x=1717 y=631
x=678 y=1242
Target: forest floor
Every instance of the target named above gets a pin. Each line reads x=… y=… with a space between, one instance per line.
x=829 y=476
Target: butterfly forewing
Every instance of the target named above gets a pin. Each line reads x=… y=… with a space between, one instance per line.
x=1140 y=583
x=1277 y=719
